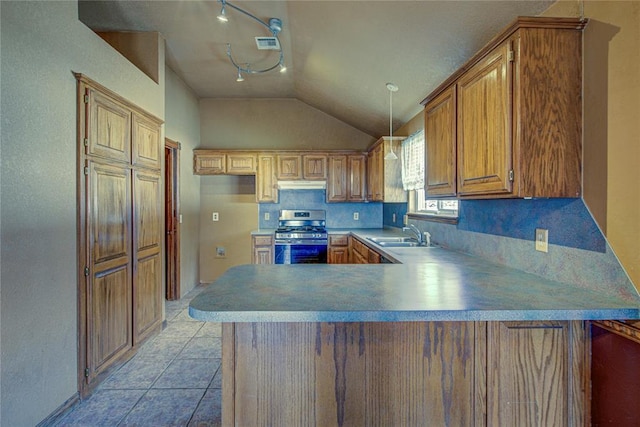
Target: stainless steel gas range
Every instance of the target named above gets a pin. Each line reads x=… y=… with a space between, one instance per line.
x=301 y=237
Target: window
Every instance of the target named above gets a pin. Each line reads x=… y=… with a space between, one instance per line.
x=413 y=173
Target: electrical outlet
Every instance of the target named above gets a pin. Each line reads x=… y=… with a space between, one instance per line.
x=542 y=240
x=267 y=216
x=221 y=252
x=356 y=216
x=180 y=218
x=393 y=218
x=215 y=216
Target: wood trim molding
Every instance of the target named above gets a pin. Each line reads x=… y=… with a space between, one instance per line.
x=626 y=329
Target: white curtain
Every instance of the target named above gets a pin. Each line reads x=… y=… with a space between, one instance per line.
x=413 y=162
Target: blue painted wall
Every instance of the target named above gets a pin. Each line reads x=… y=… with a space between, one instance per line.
x=568 y=220
x=391 y=209
x=339 y=215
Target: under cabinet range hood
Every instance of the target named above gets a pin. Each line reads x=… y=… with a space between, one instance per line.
x=302 y=185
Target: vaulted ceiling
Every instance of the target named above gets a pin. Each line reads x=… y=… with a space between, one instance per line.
x=339 y=54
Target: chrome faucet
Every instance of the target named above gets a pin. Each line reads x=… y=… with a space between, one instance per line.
x=415 y=231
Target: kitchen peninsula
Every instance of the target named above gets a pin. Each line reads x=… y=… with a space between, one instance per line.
x=450 y=340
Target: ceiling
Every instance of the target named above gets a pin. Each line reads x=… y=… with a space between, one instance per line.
x=339 y=54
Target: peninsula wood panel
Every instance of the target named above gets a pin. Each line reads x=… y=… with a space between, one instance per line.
x=340 y=374
x=536 y=373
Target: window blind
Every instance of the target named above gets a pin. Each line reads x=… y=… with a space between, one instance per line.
x=413 y=162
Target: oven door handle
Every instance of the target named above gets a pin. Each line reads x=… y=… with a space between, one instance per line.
x=301 y=242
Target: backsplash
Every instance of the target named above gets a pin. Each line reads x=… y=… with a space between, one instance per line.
x=393 y=214
x=339 y=215
x=502 y=231
x=568 y=220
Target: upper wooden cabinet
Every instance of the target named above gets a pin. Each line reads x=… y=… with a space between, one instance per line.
x=384 y=178
x=146 y=148
x=266 y=181
x=440 y=132
x=241 y=163
x=314 y=166
x=518 y=116
x=214 y=162
x=289 y=166
x=346 y=178
x=356 y=177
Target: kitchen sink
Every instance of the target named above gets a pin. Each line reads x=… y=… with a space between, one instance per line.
x=398 y=244
x=394 y=241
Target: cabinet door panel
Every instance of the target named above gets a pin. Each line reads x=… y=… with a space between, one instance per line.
x=110 y=214
x=109 y=326
x=266 y=191
x=356 y=171
x=147 y=296
x=109 y=329
x=146 y=142
x=535 y=373
x=315 y=166
x=440 y=140
x=209 y=164
x=147 y=284
x=484 y=126
x=241 y=164
x=290 y=166
x=109 y=128
x=337 y=182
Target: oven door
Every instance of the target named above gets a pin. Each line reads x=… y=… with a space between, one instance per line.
x=303 y=251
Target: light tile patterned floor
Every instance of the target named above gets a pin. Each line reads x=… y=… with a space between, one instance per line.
x=173 y=380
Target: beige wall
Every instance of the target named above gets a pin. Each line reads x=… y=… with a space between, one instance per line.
x=182 y=124
x=611 y=176
x=42 y=44
x=233 y=198
x=274 y=124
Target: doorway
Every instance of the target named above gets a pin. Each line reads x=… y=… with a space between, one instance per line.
x=172 y=218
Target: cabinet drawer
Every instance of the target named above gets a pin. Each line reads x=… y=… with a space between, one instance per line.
x=339 y=240
x=263 y=240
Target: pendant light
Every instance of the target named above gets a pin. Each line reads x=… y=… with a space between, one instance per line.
x=392 y=88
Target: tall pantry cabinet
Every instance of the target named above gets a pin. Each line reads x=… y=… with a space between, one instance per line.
x=120 y=229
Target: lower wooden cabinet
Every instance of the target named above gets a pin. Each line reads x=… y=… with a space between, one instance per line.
x=404 y=374
x=262 y=250
x=536 y=373
x=362 y=254
x=338 y=249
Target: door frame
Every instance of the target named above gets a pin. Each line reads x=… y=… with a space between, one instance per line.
x=172 y=216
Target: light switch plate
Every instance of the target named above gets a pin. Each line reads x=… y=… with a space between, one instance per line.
x=542 y=240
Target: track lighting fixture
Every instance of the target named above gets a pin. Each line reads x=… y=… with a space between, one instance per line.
x=264 y=43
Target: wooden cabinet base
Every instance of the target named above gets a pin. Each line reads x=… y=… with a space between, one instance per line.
x=395 y=373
